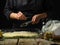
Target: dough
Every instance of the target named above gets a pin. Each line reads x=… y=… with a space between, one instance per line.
x=20 y=34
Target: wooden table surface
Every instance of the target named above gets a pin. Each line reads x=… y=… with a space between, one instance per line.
x=26 y=42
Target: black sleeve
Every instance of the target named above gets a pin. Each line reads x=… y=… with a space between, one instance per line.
x=47 y=7
x=7 y=9
x=43 y=6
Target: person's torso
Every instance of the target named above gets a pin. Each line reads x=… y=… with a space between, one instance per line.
x=26 y=6
x=55 y=11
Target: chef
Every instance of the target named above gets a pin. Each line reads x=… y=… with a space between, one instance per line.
x=19 y=11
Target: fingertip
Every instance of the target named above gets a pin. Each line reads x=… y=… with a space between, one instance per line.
x=20 y=13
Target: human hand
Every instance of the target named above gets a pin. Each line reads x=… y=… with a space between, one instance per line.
x=35 y=19
x=21 y=16
x=18 y=16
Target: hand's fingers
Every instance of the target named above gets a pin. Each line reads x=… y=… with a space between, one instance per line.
x=20 y=13
x=36 y=21
x=24 y=17
x=21 y=16
x=33 y=20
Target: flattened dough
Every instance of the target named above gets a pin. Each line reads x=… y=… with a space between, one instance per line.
x=20 y=34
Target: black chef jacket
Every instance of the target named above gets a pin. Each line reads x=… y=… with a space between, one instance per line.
x=54 y=11
x=27 y=7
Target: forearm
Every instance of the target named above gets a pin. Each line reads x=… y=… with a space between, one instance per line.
x=42 y=15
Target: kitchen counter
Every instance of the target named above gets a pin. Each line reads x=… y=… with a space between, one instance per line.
x=27 y=41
